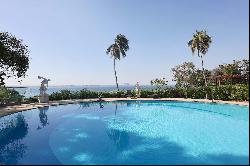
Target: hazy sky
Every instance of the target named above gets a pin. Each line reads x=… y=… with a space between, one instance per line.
x=68 y=38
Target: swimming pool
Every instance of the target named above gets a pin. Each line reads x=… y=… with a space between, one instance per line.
x=127 y=132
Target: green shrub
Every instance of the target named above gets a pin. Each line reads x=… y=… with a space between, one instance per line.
x=4 y=95
x=31 y=100
x=62 y=95
x=83 y=94
x=8 y=95
x=147 y=93
x=238 y=92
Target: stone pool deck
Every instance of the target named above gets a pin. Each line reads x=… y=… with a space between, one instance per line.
x=17 y=108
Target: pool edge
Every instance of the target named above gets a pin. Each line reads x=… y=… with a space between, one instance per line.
x=4 y=111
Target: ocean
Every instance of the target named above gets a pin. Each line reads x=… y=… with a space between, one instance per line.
x=31 y=91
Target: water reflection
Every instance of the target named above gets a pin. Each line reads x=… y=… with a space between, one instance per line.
x=120 y=138
x=101 y=105
x=43 y=117
x=129 y=104
x=115 y=109
x=12 y=131
x=84 y=104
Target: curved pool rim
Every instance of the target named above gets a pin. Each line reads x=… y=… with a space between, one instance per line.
x=78 y=102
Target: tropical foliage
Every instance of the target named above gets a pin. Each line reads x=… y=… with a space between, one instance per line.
x=85 y=94
x=200 y=43
x=118 y=50
x=238 y=92
x=14 y=60
x=8 y=95
x=159 y=83
x=187 y=75
x=233 y=73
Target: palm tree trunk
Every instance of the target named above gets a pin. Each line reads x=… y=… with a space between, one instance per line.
x=203 y=72
x=116 y=77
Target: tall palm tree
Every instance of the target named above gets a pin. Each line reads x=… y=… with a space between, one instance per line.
x=200 y=42
x=118 y=49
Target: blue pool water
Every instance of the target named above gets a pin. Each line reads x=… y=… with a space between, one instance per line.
x=127 y=132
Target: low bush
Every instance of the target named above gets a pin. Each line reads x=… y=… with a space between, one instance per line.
x=31 y=100
x=84 y=94
x=9 y=96
x=239 y=92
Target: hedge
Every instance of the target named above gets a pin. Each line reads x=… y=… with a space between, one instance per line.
x=239 y=92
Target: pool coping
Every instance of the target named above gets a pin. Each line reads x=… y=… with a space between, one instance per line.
x=23 y=107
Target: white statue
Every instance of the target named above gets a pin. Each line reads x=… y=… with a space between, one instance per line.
x=43 y=97
x=43 y=87
x=137 y=90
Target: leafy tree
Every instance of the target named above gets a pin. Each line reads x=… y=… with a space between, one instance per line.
x=9 y=95
x=183 y=74
x=233 y=73
x=198 y=77
x=14 y=60
x=187 y=75
x=159 y=83
x=200 y=42
x=244 y=65
x=118 y=49
x=4 y=95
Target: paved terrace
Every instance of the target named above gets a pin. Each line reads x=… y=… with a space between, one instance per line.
x=17 y=108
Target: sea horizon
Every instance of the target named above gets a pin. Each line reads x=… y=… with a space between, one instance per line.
x=83 y=85
x=31 y=91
